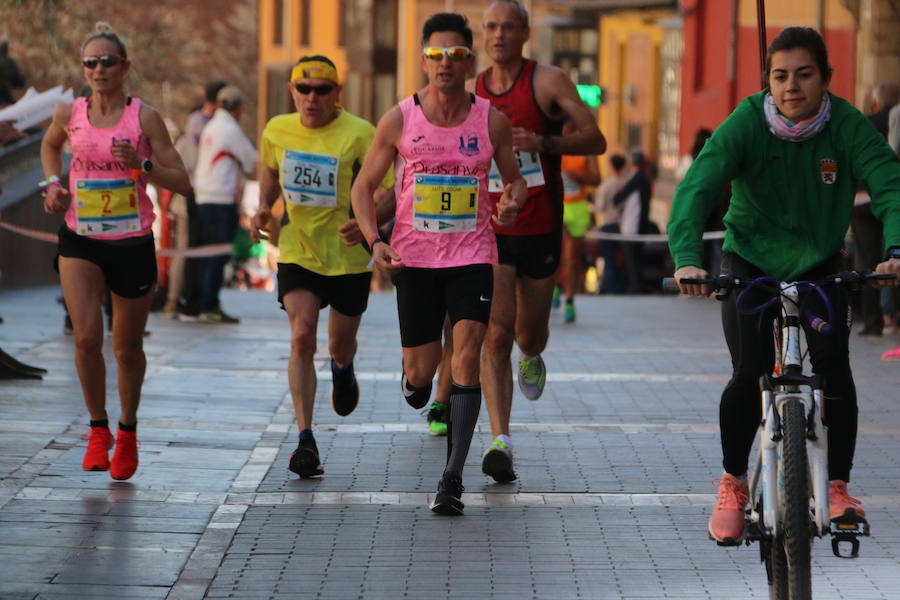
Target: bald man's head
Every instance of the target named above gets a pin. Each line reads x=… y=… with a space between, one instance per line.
x=519 y=9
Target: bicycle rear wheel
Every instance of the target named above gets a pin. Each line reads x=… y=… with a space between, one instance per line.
x=795 y=538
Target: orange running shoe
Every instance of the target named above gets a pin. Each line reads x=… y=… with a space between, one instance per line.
x=726 y=525
x=840 y=503
x=96 y=457
x=125 y=459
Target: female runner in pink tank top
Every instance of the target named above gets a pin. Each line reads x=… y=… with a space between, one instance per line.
x=118 y=146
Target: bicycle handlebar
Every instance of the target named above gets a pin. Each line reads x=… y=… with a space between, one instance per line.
x=728 y=282
x=723 y=284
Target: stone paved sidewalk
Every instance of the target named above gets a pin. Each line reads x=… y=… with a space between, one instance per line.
x=614 y=465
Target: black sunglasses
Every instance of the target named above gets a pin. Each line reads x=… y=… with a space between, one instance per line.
x=106 y=61
x=320 y=90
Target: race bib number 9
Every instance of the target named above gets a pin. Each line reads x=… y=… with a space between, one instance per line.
x=529 y=166
x=106 y=206
x=309 y=179
x=445 y=203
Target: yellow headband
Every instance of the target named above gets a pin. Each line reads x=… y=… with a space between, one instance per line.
x=314 y=69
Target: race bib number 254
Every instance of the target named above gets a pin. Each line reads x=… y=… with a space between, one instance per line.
x=309 y=179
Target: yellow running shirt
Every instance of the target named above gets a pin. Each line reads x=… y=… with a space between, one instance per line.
x=316 y=169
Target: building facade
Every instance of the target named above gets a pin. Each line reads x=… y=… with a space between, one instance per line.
x=721 y=61
x=375 y=44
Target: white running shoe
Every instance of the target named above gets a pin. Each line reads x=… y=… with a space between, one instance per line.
x=532 y=376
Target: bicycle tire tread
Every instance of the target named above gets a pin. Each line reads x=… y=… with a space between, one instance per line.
x=796 y=530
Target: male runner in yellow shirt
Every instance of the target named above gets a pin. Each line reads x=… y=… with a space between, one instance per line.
x=310 y=158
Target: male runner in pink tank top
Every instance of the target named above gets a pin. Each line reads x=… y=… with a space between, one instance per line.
x=441 y=142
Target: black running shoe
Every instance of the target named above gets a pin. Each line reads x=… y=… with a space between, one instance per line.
x=305 y=462
x=344 y=390
x=497 y=462
x=448 y=500
x=415 y=397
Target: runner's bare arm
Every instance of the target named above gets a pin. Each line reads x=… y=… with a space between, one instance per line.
x=515 y=190
x=554 y=88
x=591 y=175
x=384 y=210
x=51 y=157
x=378 y=160
x=168 y=170
x=260 y=225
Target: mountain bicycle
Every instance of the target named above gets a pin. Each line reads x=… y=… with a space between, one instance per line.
x=788 y=505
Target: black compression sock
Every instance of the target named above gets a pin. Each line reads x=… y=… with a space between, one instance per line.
x=127 y=427
x=465 y=404
x=100 y=423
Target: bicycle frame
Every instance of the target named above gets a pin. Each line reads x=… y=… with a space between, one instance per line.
x=766 y=478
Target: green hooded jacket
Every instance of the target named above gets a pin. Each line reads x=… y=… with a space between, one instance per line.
x=791 y=201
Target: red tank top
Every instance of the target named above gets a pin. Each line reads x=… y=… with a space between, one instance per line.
x=543 y=211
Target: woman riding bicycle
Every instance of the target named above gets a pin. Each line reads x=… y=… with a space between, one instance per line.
x=794 y=154
x=118 y=145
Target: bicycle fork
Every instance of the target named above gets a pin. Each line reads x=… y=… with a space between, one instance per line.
x=765 y=515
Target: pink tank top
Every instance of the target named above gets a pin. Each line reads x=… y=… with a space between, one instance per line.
x=108 y=200
x=443 y=208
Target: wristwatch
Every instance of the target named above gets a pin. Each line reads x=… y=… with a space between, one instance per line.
x=546 y=143
x=893 y=252
x=146 y=165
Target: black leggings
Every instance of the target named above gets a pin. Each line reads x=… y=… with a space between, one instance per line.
x=752 y=346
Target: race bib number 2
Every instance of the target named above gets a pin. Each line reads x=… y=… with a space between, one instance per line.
x=529 y=166
x=445 y=203
x=309 y=179
x=106 y=207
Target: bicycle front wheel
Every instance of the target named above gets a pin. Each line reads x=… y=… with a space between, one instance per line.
x=795 y=535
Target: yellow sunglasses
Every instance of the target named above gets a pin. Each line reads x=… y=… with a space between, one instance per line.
x=453 y=53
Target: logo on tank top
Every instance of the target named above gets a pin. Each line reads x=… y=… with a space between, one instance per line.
x=828 y=170
x=423 y=147
x=468 y=147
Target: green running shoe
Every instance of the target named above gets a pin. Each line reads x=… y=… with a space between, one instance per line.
x=569 y=314
x=554 y=302
x=532 y=376
x=437 y=419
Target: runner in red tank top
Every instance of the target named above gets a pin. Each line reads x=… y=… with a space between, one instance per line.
x=537 y=99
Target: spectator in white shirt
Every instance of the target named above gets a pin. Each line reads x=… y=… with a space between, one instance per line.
x=225 y=154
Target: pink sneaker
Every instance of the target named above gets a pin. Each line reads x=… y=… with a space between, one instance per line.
x=841 y=503
x=891 y=354
x=726 y=525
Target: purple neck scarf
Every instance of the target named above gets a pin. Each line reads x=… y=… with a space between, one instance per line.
x=785 y=129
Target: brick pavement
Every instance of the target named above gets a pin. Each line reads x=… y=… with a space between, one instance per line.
x=614 y=463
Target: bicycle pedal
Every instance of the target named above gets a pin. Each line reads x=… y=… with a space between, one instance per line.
x=729 y=543
x=848 y=531
x=850 y=539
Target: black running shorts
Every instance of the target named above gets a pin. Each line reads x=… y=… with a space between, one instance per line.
x=128 y=265
x=424 y=296
x=347 y=294
x=533 y=256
